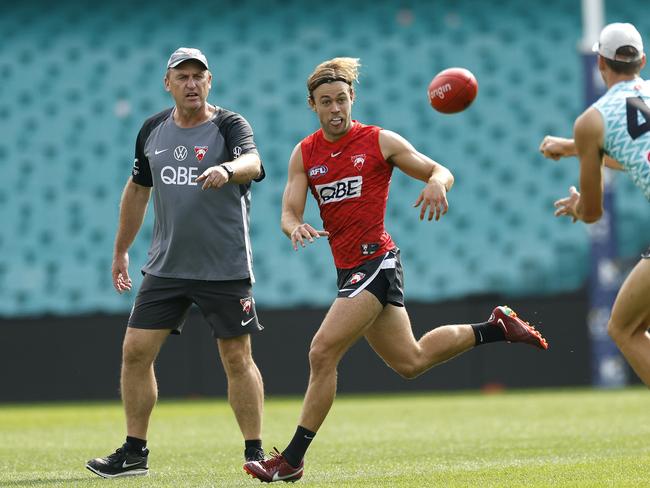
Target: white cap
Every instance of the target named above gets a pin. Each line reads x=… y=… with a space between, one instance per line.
x=615 y=36
x=183 y=54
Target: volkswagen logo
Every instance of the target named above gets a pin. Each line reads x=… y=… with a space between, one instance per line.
x=180 y=153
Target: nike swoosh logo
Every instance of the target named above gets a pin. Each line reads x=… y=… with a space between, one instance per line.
x=277 y=477
x=500 y=322
x=336 y=154
x=129 y=465
x=247 y=322
x=480 y=337
x=157 y=152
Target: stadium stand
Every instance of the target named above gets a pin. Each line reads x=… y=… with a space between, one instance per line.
x=76 y=84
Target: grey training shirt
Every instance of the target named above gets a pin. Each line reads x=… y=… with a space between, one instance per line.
x=198 y=234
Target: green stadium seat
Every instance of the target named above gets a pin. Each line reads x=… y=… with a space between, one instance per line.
x=93 y=77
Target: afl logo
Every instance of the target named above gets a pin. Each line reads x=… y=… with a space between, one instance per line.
x=317 y=171
x=180 y=153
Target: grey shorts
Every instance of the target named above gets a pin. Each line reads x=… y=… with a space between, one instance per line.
x=163 y=303
x=382 y=276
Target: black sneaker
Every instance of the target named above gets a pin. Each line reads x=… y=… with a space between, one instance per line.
x=254 y=454
x=121 y=463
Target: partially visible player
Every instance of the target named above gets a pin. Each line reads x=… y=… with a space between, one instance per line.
x=347 y=166
x=615 y=131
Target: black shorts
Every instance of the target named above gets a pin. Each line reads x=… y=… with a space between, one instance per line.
x=646 y=254
x=382 y=276
x=228 y=306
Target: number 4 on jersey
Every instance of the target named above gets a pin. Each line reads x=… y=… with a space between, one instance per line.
x=634 y=105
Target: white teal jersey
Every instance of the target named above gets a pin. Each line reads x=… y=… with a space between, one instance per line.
x=626 y=114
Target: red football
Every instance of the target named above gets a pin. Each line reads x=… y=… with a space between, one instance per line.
x=452 y=90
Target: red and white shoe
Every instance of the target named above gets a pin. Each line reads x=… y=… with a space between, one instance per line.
x=276 y=468
x=515 y=329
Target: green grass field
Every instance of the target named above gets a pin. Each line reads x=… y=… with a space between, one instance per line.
x=524 y=439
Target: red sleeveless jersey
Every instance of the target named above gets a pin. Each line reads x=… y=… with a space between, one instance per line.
x=349 y=179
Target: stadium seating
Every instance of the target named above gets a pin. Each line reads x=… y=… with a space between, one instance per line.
x=76 y=84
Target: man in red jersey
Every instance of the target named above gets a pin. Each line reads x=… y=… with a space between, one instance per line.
x=347 y=166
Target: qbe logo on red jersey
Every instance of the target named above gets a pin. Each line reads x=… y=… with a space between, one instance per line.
x=335 y=191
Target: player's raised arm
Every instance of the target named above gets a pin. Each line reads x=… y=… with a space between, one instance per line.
x=555 y=148
x=439 y=179
x=588 y=134
x=586 y=205
x=293 y=204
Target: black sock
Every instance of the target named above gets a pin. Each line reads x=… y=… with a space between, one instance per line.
x=253 y=443
x=486 y=332
x=297 y=448
x=252 y=447
x=135 y=445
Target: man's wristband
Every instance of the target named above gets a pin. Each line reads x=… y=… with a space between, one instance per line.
x=229 y=170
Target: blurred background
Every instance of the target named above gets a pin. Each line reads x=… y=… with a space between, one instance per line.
x=77 y=80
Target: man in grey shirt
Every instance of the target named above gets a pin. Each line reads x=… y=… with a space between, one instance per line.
x=200 y=160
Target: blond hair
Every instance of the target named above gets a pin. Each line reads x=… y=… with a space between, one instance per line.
x=337 y=69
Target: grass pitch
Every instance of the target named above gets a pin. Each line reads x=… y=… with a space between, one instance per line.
x=544 y=438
